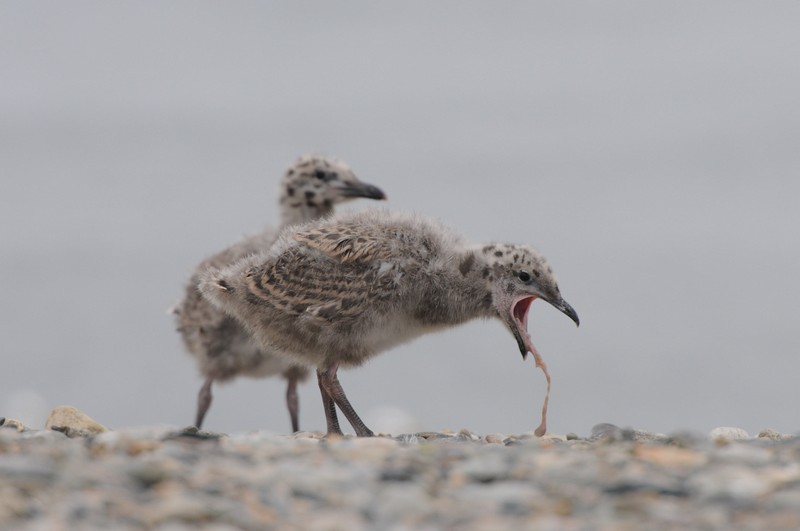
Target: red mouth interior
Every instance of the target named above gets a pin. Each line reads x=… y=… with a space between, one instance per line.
x=520 y=311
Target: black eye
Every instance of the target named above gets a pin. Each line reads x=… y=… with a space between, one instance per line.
x=524 y=276
x=326 y=176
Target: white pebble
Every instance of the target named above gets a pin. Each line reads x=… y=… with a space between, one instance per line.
x=724 y=434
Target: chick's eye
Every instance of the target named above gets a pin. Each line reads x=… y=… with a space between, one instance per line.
x=524 y=276
x=326 y=176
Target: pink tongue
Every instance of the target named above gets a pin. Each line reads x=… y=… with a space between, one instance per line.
x=542 y=429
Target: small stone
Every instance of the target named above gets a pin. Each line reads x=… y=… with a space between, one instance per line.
x=333 y=438
x=494 y=438
x=784 y=500
x=773 y=435
x=684 y=439
x=73 y=422
x=192 y=433
x=605 y=431
x=375 y=442
x=12 y=423
x=610 y=433
x=308 y=435
x=149 y=472
x=44 y=435
x=572 y=436
x=467 y=435
x=434 y=436
x=26 y=470
x=670 y=457
x=407 y=438
x=726 y=434
x=738 y=483
x=485 y=467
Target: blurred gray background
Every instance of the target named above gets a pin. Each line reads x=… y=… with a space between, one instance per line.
x=649 y=149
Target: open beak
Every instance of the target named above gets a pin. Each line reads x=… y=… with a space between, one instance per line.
x=519 y=321
x=360 y=189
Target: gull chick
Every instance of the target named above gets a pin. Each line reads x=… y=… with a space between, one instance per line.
x=222 y=348
x=336 y=292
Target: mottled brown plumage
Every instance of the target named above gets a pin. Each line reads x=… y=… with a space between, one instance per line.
x=336 y=292
x=222 y=347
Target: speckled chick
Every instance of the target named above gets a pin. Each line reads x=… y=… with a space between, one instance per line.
x=222 y=348
x=336 y=292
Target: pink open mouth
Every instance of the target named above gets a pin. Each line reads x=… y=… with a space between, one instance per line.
x=519 y=309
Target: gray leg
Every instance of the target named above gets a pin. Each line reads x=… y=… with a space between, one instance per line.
x=203 y=402
x=330 y=408
x=330 y=383
x=292 y=402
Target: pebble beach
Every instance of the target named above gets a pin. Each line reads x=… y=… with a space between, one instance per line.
x=87 y=477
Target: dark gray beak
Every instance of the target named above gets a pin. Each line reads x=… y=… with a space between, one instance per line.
x=362 y=190
x=564 y=307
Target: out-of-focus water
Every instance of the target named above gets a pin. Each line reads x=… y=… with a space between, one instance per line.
x=651 y=151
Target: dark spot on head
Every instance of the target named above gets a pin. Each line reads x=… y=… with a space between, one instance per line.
x=486 y=272
x=498 y=253
x=290 y=172
x=488 y=249
x=310 y=194
x=536 y=273
x=290 y=190
x=510 y=288
x=327 y=203
x=516 y=258
x=466 y=264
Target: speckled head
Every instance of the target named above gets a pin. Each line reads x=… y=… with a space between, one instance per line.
x=517 y=275
x=314 y=184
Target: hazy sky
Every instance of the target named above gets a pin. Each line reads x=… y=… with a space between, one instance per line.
x=651 y=150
